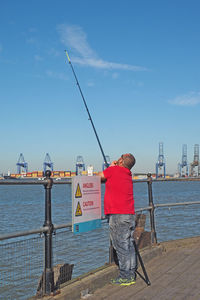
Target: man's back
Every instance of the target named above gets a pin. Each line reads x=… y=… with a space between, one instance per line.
x=119 y=191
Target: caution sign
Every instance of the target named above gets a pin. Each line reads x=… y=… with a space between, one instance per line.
x=78 y=210
x=86 y=203
x=78 y=192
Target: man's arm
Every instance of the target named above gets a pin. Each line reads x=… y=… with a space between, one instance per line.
x=101 y=174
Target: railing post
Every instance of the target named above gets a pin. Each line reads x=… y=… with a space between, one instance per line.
x=48 y=278
x=151 y=212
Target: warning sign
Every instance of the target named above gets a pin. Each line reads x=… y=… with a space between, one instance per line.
x=86 y=203
x=78 y=210
x=78 y=192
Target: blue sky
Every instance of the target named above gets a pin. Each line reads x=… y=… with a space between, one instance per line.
x=137 y=63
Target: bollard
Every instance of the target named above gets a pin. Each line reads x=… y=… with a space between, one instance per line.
x=48 y=276
x=151 y=212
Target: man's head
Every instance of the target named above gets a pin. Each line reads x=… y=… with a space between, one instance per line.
x=127 y=161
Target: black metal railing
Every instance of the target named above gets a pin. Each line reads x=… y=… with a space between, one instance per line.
x=48 y=228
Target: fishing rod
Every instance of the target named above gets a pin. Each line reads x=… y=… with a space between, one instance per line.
x=90 y=118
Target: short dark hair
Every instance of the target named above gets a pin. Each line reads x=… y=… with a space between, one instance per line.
x=128 y=160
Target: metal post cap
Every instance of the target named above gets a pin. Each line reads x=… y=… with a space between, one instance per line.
x=48 y=174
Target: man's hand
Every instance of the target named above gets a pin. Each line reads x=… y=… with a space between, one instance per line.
x=114 y=163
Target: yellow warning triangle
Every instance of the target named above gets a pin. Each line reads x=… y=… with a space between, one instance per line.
x=78 y=210
x=78 y=192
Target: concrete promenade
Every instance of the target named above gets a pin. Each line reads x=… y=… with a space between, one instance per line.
x=173 y=269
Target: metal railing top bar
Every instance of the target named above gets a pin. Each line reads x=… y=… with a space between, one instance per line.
x=167 y=179
x=23 y=182
x=177 y=179
x=69 y=180
x=31 y=181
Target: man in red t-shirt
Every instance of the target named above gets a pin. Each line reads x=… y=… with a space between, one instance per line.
x=119 y=207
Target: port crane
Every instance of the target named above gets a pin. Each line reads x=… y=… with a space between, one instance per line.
x=195 y=164
x=80 y=166
x=47 y=164
x=22 y=166
x=183 y=166
x=107 y=163
x=160 y=165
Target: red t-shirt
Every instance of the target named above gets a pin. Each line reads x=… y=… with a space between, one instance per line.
x=118 y=197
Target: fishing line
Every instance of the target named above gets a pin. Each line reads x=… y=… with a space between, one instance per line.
x=90 y=118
